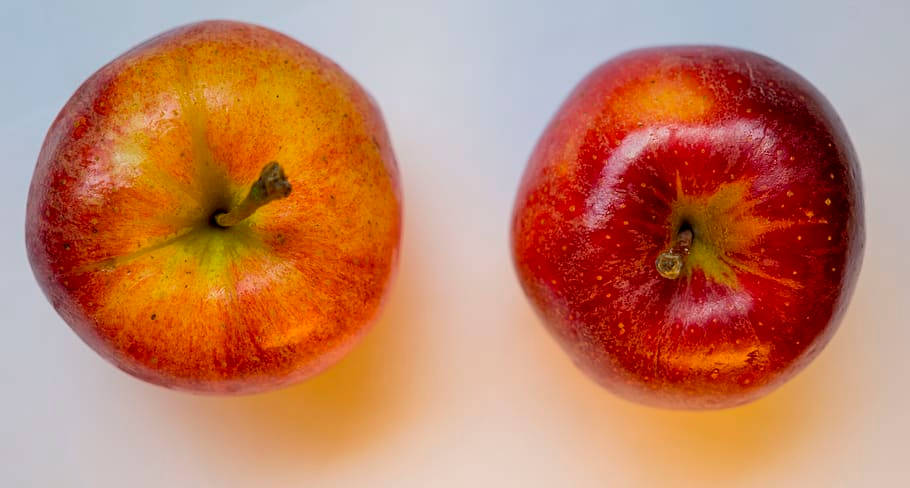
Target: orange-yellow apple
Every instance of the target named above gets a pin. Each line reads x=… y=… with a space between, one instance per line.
x=151 y=225
x=690 y=225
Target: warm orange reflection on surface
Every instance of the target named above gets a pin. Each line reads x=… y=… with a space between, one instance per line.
x=720 y=447
x=363 y=401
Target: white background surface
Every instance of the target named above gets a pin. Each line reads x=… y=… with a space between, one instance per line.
x=458 y=384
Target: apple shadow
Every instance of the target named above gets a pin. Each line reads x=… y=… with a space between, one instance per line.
x=725 y=446
x=360 y=402
x=718 y=448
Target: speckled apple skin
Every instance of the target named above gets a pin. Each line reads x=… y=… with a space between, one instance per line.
x=118 y=226
x=751 y=157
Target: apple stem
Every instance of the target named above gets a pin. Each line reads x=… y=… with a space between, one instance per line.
x=670 y=263
x=271 y=185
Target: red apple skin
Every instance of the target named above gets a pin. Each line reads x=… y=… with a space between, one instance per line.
x=755 y=161
x=119 y=226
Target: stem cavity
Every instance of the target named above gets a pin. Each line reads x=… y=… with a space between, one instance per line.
x=271 y=185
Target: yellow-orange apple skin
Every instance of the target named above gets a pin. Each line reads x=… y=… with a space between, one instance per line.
x=119 y=226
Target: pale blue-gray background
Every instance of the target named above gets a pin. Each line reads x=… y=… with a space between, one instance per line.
x=459 y=385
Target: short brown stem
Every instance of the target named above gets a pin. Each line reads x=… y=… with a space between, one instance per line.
x=670 y=262
x=271 y=185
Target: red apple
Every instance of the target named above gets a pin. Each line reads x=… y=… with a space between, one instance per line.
x=690 y=225
x=149 y=226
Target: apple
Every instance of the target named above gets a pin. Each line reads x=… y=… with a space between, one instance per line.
x=217 y=210
x=690 y=225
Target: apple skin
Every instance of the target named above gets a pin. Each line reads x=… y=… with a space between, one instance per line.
x=119 y=231
x=731 y=144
